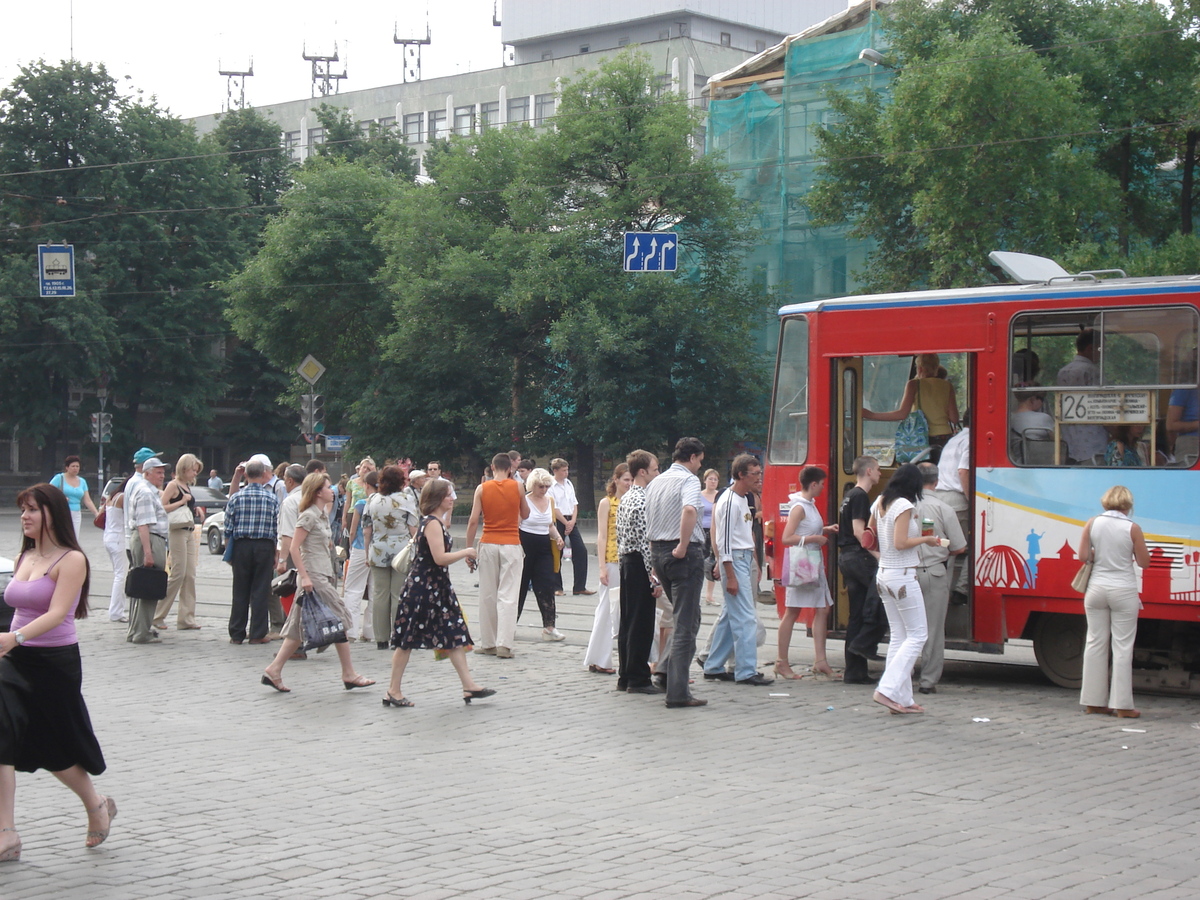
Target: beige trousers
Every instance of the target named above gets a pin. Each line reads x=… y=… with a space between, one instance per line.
x=181 y=579
x=500 y=568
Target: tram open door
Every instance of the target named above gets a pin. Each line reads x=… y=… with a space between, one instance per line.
x=879 y=383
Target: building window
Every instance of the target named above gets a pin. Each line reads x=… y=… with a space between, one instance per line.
x=726 y=39
x=662 y=85
x=547 y=54
x=518 y=110
x=412 y=128
x=664 y=35
x=543 y=109
x=387 y=123
x=364 y=127
x=583 y=48
x=437 y=124
x=291 y=143
x=489 y=114
x=464 y=119
x=621 y=42
x=316 y=136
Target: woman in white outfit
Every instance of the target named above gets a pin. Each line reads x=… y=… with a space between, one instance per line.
x=899 y=537
x=806 y=527
x=114 y=543
x=1114 y=543
x=599 y=656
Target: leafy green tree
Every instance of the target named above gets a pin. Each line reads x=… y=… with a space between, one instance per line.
x=379 y=148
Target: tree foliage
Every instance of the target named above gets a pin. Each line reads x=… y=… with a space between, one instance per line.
x=1015 y=125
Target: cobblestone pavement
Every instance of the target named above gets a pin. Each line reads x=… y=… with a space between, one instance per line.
x=560 y=787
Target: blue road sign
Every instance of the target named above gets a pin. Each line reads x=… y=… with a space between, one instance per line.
x=650 y=251
x=336 y=442
x=56 y=270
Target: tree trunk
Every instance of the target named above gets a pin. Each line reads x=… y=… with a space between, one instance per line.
x=1189 y=174
x=584 y=471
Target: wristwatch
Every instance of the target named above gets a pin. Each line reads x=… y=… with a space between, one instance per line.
x=19 y=638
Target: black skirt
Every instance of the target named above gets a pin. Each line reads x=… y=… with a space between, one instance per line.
x=44 y=723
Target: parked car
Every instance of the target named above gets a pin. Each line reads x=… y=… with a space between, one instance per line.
x=208 y=500
x=6 y=574
x=214 y=533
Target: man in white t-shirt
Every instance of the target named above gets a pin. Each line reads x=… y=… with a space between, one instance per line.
x=954 y=489
x=434 y=471
x=566 y=507
x=736 y=630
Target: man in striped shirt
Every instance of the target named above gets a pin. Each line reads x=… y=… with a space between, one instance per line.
x=677 y=548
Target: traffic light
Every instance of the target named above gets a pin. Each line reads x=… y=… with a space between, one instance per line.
x=95 y=428
x=105 y=427
x=318 y=413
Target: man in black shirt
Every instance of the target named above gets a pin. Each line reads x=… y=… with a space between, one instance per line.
x=858 y=567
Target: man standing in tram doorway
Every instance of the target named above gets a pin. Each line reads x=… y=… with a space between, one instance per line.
x=858 y=567
x=934 y=576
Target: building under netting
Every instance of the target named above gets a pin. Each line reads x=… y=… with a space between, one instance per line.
x=763 y=115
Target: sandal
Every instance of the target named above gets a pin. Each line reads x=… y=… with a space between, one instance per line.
x=398 y=702
x=783 y=669
x=13 y=851
x=477 y=694
x=359 y=681
x=96 y=838
x=600 y=670
x=277 y=684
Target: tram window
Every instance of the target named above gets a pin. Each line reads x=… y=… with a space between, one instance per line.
x=789 y=406
x=1082 y=380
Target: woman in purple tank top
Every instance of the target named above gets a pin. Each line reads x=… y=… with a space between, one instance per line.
x=44 y=723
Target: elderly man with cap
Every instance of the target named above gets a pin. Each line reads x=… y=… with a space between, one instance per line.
x=147 y=526
x=416 y=483
x=250 y=523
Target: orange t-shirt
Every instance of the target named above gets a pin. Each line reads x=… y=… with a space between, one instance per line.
x=501 y=503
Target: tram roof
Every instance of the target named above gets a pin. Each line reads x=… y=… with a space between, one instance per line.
x=1109 y=287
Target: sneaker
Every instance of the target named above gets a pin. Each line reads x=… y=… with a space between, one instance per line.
x=553 y=634
x=486 y=651
x=504 y=653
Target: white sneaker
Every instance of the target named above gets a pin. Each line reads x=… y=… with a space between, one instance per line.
x=553 y=634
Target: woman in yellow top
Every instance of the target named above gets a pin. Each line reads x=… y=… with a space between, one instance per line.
x=932 y=395
x=599 y=656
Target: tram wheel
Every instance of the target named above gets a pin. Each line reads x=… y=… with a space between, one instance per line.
x=1058 y=642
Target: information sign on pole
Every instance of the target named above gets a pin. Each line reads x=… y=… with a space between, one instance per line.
x=650 y=251
x=56 y=270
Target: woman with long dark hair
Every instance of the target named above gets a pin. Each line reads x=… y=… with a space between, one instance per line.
x=44 y=723
x=899 y=535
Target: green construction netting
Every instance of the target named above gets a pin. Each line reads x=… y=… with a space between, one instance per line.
x=767 y=136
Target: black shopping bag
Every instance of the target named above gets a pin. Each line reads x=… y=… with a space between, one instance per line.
x=144 y=583
x=321 y=627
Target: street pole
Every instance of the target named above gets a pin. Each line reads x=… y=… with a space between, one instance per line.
x=102 y=394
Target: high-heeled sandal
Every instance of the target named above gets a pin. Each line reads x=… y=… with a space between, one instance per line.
x=96 y=838
x=788 y=675
x=468 y=696
x=278 y=685
x=359 y=681
x=398 y=702
x=13 y=852
x=601 y=670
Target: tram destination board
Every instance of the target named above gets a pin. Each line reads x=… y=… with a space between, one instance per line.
x=1104 y=407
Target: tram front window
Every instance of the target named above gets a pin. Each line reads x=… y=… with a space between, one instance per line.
x=789 y=404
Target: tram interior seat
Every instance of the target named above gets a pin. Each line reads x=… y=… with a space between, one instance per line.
x=1037 y=447
x=1187 y=449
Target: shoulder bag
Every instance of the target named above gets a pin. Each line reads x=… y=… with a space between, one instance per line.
x=101 y=517
x=1080 y=582
x=912 y=436
x=555 y=550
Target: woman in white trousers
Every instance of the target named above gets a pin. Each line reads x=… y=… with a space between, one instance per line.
x=1115 y=544
x=607 y=620
x=114 y=543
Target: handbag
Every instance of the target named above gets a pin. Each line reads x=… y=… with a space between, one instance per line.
x=180 y=517
x=801 y=565
x=402 y=561
x=869 y=539
x=555 y=550
x=912 y=436
x=318 y=623
x=1080 y=582
x=282 y=585
x=145 y=583
x=101 y=517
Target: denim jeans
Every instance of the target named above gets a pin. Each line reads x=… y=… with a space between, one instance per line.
x=682 y=580
x=736 y=630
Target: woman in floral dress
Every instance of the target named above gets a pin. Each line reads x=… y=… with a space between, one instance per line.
x=428 y=615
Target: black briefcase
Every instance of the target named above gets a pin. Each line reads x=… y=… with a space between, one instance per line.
x=144 y=583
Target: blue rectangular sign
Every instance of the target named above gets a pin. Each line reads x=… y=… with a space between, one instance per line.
x=56 y=270
x=650 y=251
x=336 y=442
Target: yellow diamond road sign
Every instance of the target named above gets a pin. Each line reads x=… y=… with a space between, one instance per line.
x=310 y=370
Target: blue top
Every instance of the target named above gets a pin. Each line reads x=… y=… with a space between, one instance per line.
x=706 y=512
x=360 y=507
x=1188 y=398
x=74 y=494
